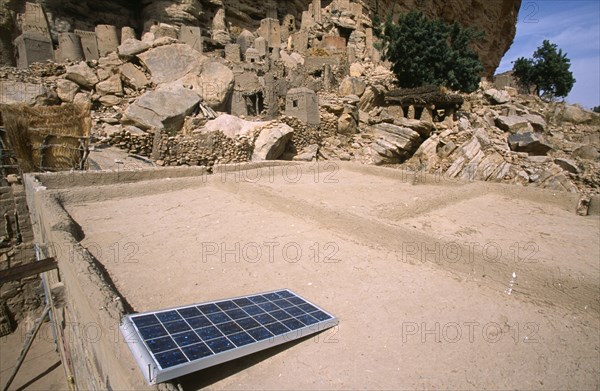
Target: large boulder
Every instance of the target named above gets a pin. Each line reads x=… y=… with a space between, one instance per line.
x=82 y=74
x=575 y=114
x=352 y=86
x=393 y=144
x=270 y=143
x=66 y=90
x=163 y=109
x=171 y=62
x=530 y=142
x=231 y=126
x=214 y=84
x=513 y=123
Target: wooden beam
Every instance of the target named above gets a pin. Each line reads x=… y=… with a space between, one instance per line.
x=30 y=269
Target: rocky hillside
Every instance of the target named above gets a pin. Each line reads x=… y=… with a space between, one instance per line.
x=497 y=19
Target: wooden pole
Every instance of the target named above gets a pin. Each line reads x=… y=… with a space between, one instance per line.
x=28 y=341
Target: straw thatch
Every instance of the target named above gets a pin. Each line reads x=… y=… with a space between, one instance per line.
x=424 y=96
x=48 y=138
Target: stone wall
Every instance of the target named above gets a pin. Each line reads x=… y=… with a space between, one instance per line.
x=16 y=248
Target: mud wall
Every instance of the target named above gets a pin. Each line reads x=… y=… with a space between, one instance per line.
x=16 y=248
x=90 y=344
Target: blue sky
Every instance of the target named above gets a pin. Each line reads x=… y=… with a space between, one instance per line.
x=574 y=25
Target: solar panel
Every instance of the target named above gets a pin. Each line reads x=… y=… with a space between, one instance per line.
x=174 y=342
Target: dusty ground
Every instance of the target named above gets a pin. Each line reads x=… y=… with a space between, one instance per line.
x=436 y=285
x=41 y=369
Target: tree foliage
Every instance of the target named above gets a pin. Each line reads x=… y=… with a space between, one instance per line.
x=548 y=71
x=425 y=52
x=596 y=109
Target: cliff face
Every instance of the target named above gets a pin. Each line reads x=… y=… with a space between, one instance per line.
x=497 y=19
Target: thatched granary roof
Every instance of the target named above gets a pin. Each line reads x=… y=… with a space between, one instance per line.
x=422 y=96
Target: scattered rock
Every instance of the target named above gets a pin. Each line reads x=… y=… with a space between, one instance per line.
x=133 y=77
x=567 y=165
x=110 y=86
x=308 y=154
x=352 y=86
x=575 y=114
x=357 y=69
x=588 y=152
x=530 y=142
x=82 y=74
x=497 y=97
x=131 y=48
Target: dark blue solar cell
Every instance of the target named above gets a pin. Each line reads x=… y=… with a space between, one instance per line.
x=242 y=302
x=241 y=339
x=229 y=328
x=187 y=338
x=196 y=351
x=189 y=312
x=307 y=307
x=286 y=294
x=268 y=306
x=177 y=326
x=307 y=319
x=295 y=311
x=257 y=299
x=207 y=333
x=199 y=321
x=248 y=323
x=220 y=345
x=253 y=310
x=265 y=319
x=209 y=308
x=280 y=315
x=158 y=345
x=292 y=324
x=272 y=296
x=282 y=303
x=170 y=358
x=320 y=315
x=277 y=328
x=296 y=300
x=218 y=317
x=260 y=333
x=227 y=305
x=236 y=314
x=152 y=331
x=145 y=320
x=168 y=316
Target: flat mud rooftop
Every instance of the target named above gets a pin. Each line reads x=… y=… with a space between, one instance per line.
x=437 y=284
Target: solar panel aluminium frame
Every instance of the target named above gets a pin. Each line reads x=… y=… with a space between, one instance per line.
x=155 y=374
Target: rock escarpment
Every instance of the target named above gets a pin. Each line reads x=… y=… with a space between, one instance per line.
x=497 y=19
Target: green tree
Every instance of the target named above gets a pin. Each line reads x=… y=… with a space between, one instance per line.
x=596 y=109
x=548 y=70
x=425 y=52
